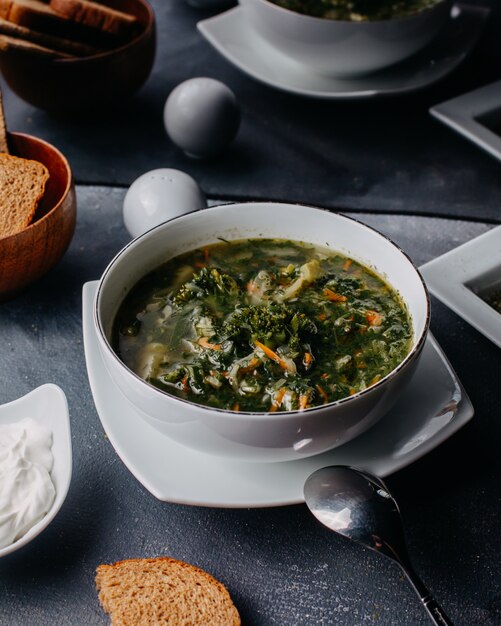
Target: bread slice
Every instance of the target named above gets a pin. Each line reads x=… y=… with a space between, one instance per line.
x=96 y=16
x=29 y=13
x=8 y=44
x=152 y=592
x=47 y=41
x=22 y=185
x=39 y=16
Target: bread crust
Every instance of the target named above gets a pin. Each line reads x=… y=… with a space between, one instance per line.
x=8 y=44
x=169 y=594
x=58 y=44
x=4 y=144
x=96 y=15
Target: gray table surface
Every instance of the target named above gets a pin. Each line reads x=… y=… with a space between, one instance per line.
x=279 y=564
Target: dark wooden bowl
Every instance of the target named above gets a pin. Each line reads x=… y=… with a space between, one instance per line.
x=27 y=255
x=86 y=84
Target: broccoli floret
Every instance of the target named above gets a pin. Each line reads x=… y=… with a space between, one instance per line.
x=208 y=281
x=273 y=325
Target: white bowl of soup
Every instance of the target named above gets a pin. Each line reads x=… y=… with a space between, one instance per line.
x=346 y=37
x=261 y=331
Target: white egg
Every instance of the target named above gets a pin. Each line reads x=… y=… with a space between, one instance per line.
x=202 y=116
x=158 y=196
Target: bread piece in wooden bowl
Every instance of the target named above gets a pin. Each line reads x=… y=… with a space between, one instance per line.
x=28 y=254
x=81 y=85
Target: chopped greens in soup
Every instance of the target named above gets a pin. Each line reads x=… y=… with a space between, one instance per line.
x=262 y=325
x=357 y=10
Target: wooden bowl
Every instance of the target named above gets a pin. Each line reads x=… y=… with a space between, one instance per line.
x=86 y=84
x=27 y=255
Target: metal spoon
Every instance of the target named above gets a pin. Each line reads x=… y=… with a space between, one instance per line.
x=357 y=505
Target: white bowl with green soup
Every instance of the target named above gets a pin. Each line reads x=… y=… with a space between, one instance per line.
x=347 y=37
x=261 y=331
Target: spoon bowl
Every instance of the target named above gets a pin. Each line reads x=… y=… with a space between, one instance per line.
x=359 y=506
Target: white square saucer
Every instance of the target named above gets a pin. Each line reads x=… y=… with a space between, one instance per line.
x=235 y=39
x=433 y=407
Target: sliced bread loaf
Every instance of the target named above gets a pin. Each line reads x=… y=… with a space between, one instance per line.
x=96 y=15
x=153 y=592
x=22 y=185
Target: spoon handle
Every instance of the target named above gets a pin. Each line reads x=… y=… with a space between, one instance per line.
x=435 y=611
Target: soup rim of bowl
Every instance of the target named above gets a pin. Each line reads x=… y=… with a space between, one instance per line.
x=417 y=345
x=65 y=192
x=124 y=46
x=402 y=18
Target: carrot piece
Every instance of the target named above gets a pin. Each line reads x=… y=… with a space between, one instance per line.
x=352 y=391
x=347 y=264
x=324 y=376
x=199 y=264
x=184 y=383
x=303 y=401
x=376 y=379
x=251 y=287
x=205 y=343
x=374 y=318
x=206 y=254
x=236 y=407
x=253 y=363
x=321 y=316
x=277 y=400
x=323 y=393
x=273 y=356
x=307 y=360
x=333 y=296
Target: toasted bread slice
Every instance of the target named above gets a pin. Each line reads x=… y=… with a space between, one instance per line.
x=8 y=44
x=47 y=41
x=22 y=185
x=29 y=13
x=96 y=16
x=39 y=16
x=152 y=592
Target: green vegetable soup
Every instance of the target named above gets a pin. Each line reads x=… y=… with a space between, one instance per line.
x=357 y=10
x=262 y=325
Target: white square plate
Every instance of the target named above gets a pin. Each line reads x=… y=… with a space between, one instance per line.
x=475 y=115
x=461 y=276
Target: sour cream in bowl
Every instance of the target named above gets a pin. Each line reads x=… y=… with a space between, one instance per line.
x=35 y=464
